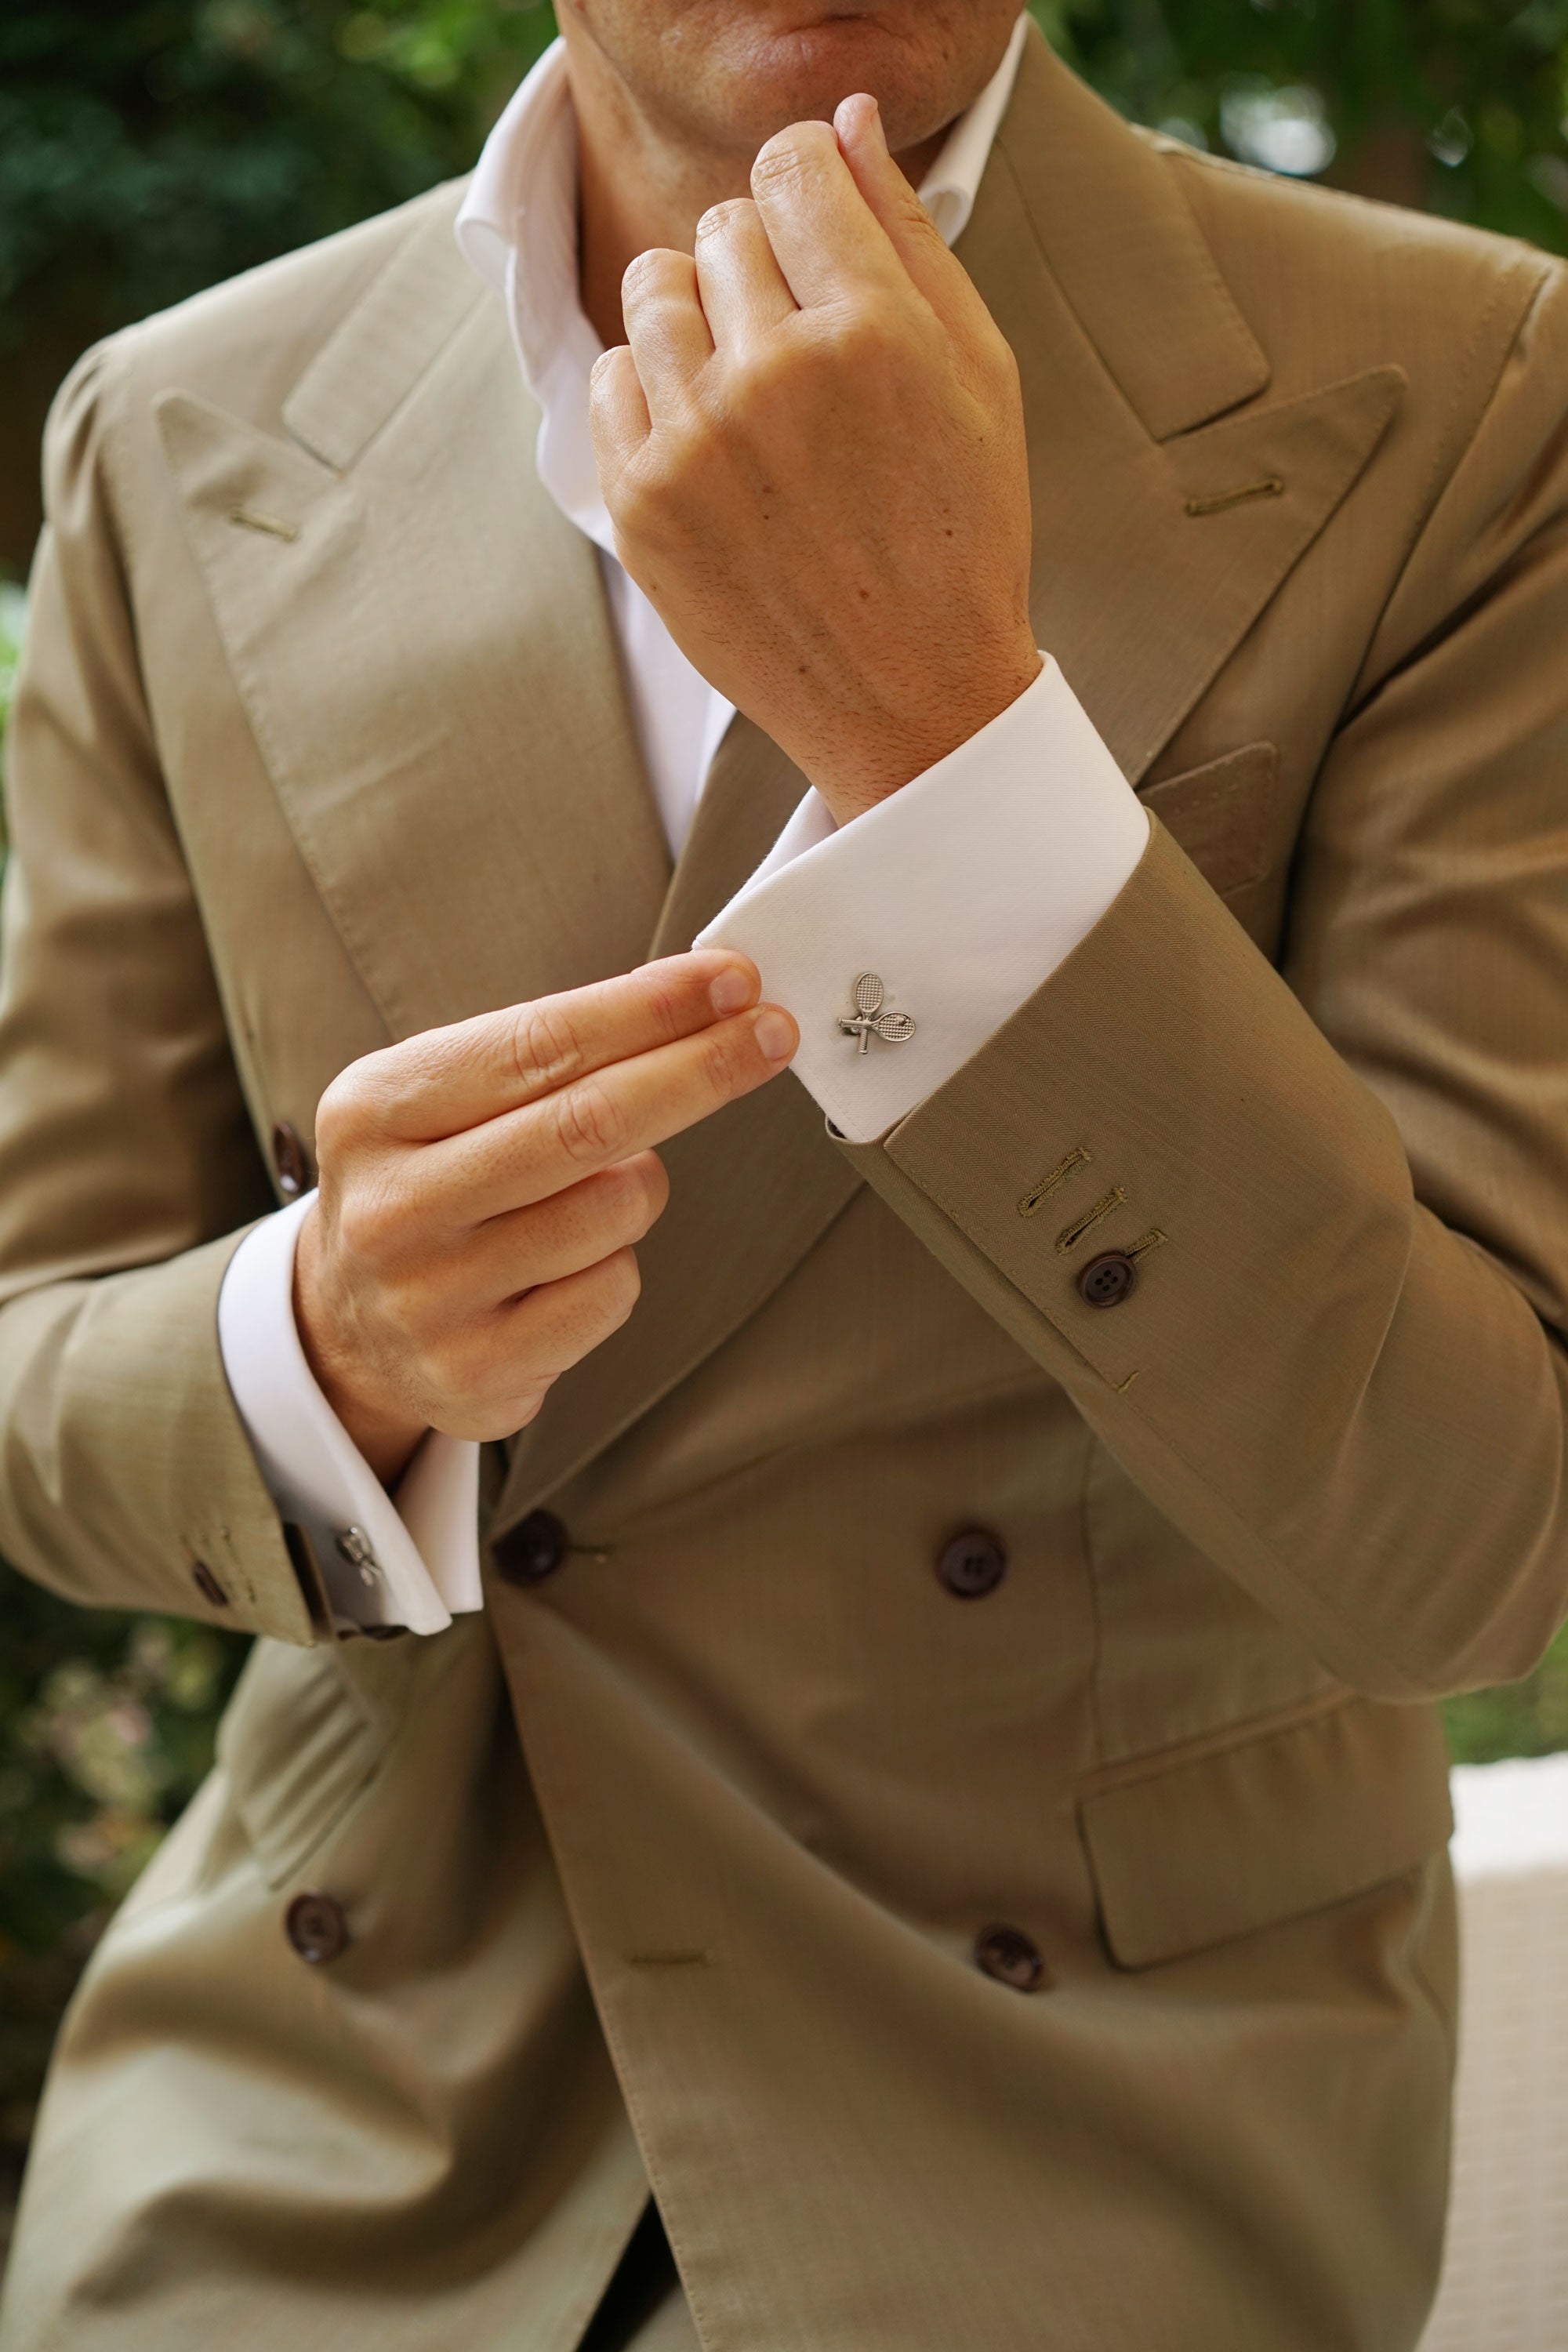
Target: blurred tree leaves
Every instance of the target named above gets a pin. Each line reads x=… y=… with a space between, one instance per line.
x=149 y=150
x=1523 y=1718
x=1454 y=104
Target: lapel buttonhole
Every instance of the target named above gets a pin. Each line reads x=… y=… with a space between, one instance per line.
x=1271 y=488
x=249 y=519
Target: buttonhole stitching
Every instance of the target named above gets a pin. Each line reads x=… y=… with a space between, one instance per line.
x=1271 y=487
x=249 y=519
x=1033 y=1201
x=1071 y=1236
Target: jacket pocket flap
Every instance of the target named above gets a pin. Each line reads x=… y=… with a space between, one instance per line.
x=1222 y=1844
x=1225 y=814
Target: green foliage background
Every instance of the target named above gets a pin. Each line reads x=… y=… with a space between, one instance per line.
x=150 y=149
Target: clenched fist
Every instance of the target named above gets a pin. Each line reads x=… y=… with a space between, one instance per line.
x=482 y=1188
x=813 y=454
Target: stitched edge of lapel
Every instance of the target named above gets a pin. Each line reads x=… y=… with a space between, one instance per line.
x=366 y=369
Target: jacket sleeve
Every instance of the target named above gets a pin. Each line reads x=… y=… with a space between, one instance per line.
x=1341 y=1367
x=128 y=1165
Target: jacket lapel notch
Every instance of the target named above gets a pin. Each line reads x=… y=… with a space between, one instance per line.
x=1169 y=504
x=432 y=680
x=1109 y=213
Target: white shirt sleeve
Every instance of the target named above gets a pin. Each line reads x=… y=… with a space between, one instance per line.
x=411 y=1558
x=960 y=894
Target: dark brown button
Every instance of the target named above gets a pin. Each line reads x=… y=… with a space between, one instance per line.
x=1107 y=1280
x=207 y=1585
x=1007 y=1954
x=288 y=1159
x=317 y=1926
x=971 y=1565
x=531 y=1550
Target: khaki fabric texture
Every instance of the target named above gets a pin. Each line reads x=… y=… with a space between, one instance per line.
x=669 y=1870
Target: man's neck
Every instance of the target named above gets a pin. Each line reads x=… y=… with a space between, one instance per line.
x=641 y=186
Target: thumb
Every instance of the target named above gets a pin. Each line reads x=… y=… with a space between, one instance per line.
x=915 y=238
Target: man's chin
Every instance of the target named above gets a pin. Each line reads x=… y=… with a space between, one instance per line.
x=807 y=78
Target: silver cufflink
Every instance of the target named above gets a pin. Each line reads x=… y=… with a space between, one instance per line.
x=869 y=1019
x=356 y=1547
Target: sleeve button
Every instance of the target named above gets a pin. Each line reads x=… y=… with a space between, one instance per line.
x=318 y=1928
x=1108 y=1279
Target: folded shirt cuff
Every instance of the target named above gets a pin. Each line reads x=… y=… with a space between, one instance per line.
x=904 y=939
x=411 y=1558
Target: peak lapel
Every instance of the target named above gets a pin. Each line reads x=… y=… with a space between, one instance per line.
x=750 y=1190
x=425 y=657
x=1141 y=391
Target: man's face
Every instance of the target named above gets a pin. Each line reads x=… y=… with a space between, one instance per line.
x=724 y=74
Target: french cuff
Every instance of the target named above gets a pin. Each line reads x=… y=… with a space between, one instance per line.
x=901 y=942
x=409 y=1560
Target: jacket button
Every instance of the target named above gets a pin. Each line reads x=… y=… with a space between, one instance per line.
x=317 y=1926
x=531 y=1550
x=207 y=1585
x=1007 y=1954
x=288 y=1159
x=1107 y=1280
x=971 y=1565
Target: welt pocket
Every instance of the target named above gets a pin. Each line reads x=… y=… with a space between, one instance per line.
x=1231 y=1836
x=1225 y=814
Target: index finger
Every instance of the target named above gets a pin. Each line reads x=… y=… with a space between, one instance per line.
x=828 y=240
x=446 y=1081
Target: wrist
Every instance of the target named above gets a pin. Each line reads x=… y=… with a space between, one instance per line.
x=382 y=1428
x=862 y=770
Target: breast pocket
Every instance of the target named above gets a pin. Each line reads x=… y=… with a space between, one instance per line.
x=1226 y=815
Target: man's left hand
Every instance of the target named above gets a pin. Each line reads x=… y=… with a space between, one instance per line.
x=813 y=454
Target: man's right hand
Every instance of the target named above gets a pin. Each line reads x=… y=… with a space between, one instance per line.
x=482 y=1187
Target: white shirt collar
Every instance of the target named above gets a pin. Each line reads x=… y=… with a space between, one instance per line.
x=518 y=228
x=949 y=187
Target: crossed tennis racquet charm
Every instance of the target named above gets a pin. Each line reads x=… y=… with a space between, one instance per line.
x=869 y=1019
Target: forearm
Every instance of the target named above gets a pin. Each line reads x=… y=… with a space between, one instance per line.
x=1348 y=1405
x=128 y=1480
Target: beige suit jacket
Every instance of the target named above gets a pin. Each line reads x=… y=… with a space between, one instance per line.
x=281 y=794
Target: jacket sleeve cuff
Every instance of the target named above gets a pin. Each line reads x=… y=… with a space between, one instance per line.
x=410 y=1560
x=960 y=894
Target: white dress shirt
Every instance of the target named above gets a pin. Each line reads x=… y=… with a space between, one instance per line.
x=963 y=892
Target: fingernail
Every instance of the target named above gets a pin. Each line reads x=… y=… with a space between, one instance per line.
x=843 y=120
x=775 y=1035
x=732 y=990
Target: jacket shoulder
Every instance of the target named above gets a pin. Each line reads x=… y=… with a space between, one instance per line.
x=1331 y=283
